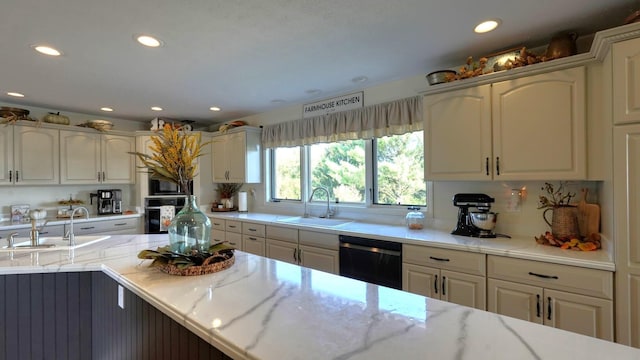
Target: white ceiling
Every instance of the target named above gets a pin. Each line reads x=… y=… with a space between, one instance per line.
x=240 y=55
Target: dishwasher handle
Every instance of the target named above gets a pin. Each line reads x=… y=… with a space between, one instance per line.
x=370 y=249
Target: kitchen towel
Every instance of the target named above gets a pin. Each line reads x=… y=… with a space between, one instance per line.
x=167 y=212
x=242 y=201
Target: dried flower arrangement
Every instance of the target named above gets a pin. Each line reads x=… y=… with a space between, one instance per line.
x=174 y=154
x=555 y=198
x=228 y=190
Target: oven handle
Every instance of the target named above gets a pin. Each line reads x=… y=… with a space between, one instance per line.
x=371 y=249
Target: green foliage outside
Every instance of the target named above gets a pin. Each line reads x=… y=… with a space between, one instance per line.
x=340 y=168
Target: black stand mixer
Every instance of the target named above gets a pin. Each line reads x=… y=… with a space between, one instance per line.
x=475 y=223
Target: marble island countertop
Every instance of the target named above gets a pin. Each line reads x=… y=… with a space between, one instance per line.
x=518 y=247
x=265 y=309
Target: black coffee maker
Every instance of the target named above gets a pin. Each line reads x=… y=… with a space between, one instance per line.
x=478 y=223
x=109 y=202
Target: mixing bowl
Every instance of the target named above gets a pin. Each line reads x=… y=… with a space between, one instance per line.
x=483 y=220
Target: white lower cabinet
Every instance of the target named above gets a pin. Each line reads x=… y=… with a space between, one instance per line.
x=123 y=226
x=253 y=240
x=450 y=275
x=50 y=230
x=565 y=297
x=310 y=249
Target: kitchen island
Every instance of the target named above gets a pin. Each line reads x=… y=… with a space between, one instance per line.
x=266 y=309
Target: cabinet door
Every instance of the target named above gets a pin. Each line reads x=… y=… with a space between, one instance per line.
x=463 y=289
x=234 y=239
x=282 y=250
x=118 y=165
x=236 y=157
x=253 y=245
x=219 y=159
x=580 y=314
x=626 y=155
x=36 y=156
x=626 y=81
x=539 y=127
x=421 y=280
x=79 y=158
x=6 y=155
x=515 y=300
x=457 y=135
x=320 y=259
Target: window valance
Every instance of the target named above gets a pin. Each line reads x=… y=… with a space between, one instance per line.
x=391 y=118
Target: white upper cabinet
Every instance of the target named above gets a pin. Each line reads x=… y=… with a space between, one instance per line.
x=458 y=134
x=90 y=158
x=29 y=156
x=626 y=81
x=236 y=156
x=530 y=128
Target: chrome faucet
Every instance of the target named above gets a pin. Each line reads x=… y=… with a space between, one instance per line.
x=329 y=212
x=11 y=241
x=70 y=235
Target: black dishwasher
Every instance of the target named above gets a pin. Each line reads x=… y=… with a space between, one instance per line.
x=374 y=261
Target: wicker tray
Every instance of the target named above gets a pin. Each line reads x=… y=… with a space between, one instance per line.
x=198 y=270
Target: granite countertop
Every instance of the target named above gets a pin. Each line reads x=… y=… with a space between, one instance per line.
x=266 y=309
x=517 y=247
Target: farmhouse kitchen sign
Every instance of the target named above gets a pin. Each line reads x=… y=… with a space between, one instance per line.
x=341 y=103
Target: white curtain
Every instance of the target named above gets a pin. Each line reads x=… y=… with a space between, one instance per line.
x=392 y=118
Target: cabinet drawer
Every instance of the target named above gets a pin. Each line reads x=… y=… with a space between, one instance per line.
x=462 y=261
x=234 y=240
x=282 y=233
x=233 y=226
x=254 y=245
x=107 y=226
x=253 y=229
x=218 y=224
x=552 y=276
x=217 y=235
x=318 y=239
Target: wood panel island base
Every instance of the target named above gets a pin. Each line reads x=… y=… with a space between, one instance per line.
x=266 y=309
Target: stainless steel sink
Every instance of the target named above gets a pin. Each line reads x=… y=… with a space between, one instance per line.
x=314 y=221
x=54 y=243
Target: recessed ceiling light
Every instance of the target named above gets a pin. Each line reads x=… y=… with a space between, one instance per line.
x=47 y=50
x=107 y=109
x=214 y=108
x=487 y=26
x=313 y=91
x=147 y=40
x=156 y=108
x=15 y=94
x=278 y=101
x=359 y=79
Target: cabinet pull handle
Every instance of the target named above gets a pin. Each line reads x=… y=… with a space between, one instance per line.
x=252 y=238
x=10 y=176
x=87 y=228
x=549 y=308
x=104 y=176
x=216 y=224
x=252 y=229
x=44 y=232
x=543 y=276
x=120 y=224
x=537 y=305
x=17 y=175
x=99 y=176
x=295 y=255
x=486 y=165
x=438 y=259
x=232 y=226
x=444 y=290
x=300 y=255
x=435 y=285
x=498 y=165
